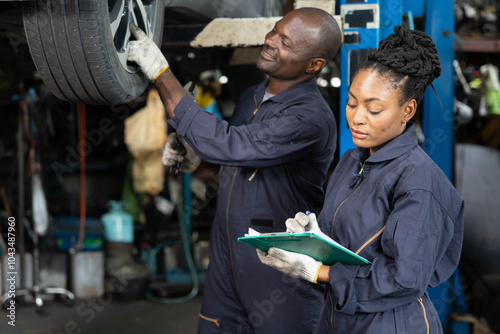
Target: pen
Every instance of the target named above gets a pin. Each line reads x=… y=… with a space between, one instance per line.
x=307 y=214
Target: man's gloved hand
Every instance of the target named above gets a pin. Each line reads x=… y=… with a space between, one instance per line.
x=146 y=54
x=293 y=264
x=301 y=222
x=178 y=151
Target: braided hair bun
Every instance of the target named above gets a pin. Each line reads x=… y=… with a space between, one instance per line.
x=409 y=59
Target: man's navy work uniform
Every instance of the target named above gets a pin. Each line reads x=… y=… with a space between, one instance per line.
x=274 y=157
x=397 y=209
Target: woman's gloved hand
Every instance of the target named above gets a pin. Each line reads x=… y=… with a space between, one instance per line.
x=301 y=222
x=145 y=53
x=177 y=153
x=293 y=264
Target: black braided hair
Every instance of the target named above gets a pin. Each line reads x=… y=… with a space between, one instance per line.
x=408 y=59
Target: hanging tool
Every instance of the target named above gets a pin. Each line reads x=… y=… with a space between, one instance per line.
x=180 y=148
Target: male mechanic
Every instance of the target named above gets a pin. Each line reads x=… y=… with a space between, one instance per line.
x=271 y=162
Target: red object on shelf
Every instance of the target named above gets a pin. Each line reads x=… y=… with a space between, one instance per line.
x=477 y=44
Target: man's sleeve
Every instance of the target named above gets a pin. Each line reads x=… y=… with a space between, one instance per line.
x=273 y=141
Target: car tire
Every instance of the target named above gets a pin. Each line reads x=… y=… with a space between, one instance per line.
x=80 y=47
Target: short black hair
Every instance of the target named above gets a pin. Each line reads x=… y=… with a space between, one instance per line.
x=408 y=59
x=326 y=44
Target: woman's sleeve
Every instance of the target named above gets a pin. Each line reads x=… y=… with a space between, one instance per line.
x=421 y=239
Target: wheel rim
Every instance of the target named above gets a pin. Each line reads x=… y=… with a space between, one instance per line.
x=121 y=13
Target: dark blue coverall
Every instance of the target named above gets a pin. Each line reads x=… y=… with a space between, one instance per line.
x=397 y=209
x=274 y=157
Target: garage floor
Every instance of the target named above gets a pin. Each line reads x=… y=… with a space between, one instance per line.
x=106 y=316
x=114 y=316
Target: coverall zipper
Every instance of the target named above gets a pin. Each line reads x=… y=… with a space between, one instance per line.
x=361 y=171
x=257 y=107
x=227 y=227
x=370 y=240
x=425 y=314
x=253 y=174
x=331 y=232
x=337 y=210
x=331 y=303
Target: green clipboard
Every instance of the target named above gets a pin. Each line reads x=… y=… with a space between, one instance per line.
x=308 y=243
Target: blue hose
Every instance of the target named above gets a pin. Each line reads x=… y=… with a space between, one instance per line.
x=186 y=247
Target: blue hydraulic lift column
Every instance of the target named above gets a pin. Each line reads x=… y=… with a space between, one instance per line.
x=437 y=122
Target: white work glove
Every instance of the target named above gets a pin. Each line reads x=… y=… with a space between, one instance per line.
x=146 y=54
x=293 y=264
x=178 y=154
x=301 y=222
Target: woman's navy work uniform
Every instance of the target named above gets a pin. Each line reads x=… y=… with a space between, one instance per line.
x=397 y=209
x=274 y=157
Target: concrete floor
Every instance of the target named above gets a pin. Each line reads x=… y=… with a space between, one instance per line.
x=111 y=316
x=105 y=316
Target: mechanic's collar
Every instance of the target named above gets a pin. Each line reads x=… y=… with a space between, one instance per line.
x=285 y=94
x=393 y=149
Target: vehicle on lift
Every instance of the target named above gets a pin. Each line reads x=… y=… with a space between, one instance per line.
x=80 y=48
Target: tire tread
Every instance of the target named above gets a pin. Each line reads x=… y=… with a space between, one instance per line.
x=75 y=58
